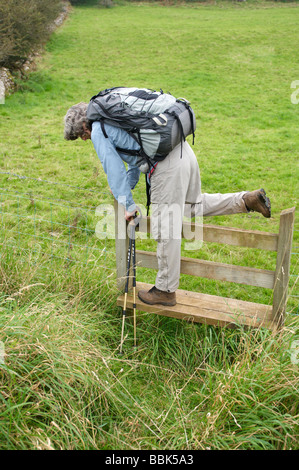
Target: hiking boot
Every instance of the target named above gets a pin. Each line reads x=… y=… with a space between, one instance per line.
x=258 y=201
x=155 y=296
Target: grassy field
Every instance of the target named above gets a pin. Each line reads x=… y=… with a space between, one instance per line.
x=63 y=383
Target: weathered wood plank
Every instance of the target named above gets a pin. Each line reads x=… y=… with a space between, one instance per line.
x=204 y=308
x=225 y=305
x=282 y=273
x=239 y=237
x=227 y=235
x=212 y=270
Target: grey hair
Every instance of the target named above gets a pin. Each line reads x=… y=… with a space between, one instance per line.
x=73 y=121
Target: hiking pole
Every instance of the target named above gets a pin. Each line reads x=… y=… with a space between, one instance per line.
x=126 y=295
x=131 y=254
x=134 y=278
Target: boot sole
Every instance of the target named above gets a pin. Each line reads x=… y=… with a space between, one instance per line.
x=266 y=201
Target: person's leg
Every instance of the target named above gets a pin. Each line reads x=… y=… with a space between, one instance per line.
x=169 y=185
x=223 y=204
x=231 y=203
x=166 y=229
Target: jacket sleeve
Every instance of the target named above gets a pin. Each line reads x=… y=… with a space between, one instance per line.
x=113 y=163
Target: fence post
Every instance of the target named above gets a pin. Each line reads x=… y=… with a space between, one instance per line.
x=283 y=261
x=121 y=244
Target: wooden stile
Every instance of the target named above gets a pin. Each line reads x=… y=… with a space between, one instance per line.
x=214 y=310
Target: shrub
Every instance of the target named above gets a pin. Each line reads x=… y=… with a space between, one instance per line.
x=24 y=26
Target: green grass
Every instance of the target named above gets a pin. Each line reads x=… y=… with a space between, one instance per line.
x=63 y=383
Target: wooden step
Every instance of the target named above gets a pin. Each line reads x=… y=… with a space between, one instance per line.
x=205 y=308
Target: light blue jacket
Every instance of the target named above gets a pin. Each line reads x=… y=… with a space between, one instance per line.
x=120 y=179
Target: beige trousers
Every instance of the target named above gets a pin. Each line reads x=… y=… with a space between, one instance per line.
x=175 y=193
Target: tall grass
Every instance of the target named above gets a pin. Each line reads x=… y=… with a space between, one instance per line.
x=65 y=386
x=63 y=383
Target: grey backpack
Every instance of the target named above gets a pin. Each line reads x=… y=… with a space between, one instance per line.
x=157 y=121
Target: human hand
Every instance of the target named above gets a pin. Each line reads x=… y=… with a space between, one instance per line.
x=130 y=215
